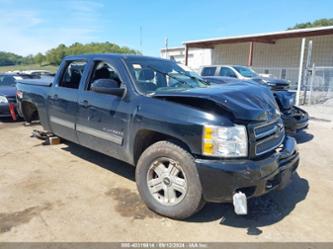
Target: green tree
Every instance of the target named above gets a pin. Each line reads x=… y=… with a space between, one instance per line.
x=55 y=55
x=27 y=60
x=317 y=23
x=9 y=59
x=39 y=58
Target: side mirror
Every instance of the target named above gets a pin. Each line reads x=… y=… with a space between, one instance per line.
x=107 y=86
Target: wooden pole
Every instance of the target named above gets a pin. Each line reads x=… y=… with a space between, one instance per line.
x=186 y=55
x=250 y=59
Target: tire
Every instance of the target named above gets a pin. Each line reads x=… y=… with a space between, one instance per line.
x=176 y=190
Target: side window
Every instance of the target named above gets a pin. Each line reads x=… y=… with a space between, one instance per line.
x=227 y=72
x=9 y=81
x=103 y=70
x=208 y=71
x=72 y=74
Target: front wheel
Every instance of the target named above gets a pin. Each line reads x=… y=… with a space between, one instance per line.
x=168 y=181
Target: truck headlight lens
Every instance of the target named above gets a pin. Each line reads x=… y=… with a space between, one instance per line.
x=19 y=94
x=219 y=141
x=3 y=100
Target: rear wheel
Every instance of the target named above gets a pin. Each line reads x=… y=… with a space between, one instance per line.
x=168 y=181
x=29 y=112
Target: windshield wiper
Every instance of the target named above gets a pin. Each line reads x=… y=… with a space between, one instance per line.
x=170 y=75
x=195 y=78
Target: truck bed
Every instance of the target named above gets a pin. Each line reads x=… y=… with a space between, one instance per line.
x=43 y=81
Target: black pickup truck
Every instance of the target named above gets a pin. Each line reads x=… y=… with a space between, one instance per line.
x=190 y=142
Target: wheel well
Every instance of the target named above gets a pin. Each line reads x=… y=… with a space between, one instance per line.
x=145 y=138
x=29 y=111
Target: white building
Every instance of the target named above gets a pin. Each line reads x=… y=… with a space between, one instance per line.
x=276 y=53
x=197 y=57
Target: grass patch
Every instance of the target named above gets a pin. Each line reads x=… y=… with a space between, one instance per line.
x=50 y=68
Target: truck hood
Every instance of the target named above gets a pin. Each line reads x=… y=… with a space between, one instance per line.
x=245 y=101
x=8 y=91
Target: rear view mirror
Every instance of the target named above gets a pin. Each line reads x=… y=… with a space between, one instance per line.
x=107 y=86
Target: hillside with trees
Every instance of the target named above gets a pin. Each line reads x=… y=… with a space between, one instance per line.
x=55 y=55
x=8 y=59
x=317 y=23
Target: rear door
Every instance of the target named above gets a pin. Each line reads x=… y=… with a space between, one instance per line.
x=102 y=119
x=63 y=99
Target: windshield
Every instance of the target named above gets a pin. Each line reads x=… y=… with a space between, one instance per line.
x=246 y=71
x=156 y=75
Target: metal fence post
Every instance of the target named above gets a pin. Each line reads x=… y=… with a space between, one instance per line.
x=307 y=71
x=313 y=74
x=300 y=72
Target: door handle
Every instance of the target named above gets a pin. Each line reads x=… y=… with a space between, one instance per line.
x=85 y=103
x=54 y=97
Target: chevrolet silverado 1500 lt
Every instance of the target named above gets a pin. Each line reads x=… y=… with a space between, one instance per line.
x=190 y=142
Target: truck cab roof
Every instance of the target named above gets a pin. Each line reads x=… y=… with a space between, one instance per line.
x=111 y=55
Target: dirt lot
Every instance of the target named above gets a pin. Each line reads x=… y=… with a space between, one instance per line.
x=69 y=193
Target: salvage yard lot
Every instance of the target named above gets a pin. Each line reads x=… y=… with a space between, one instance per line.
x=69 y=193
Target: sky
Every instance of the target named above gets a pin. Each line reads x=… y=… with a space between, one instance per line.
x=32 y=26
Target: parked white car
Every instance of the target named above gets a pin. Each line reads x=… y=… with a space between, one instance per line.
x=38 y=72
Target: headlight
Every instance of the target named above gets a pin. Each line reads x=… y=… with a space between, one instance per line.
x=291 y=102
x=221 y=141
x=3 y=100
x=19 y=94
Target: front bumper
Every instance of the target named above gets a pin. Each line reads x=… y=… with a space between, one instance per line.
x=221 y=179
x=296 y=120
x=4 y=110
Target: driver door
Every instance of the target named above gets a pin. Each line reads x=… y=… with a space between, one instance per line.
x=101 y=122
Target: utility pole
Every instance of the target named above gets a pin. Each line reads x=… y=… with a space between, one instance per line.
x=166 y=48
x=140 y=38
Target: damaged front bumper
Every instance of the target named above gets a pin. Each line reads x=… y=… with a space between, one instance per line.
x=221 y=179
x=296 y=120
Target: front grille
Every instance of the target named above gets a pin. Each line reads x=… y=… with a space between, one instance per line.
x=267 y=137
x=280 y=87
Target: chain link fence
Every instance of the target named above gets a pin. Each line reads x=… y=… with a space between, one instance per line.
x=286 y=73
x=318 y=88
